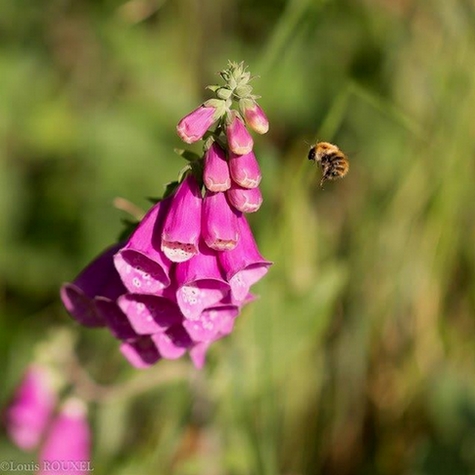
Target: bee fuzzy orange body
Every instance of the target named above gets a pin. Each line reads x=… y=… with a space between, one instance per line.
x=332 y=161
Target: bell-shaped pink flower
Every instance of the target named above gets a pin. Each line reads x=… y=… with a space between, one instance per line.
x=33 y=404
x=173 y=343
x=100 y=278
x=115 y=319
x=243 y=266
x=149 y=314
x=254 y=116
x=246 y=200
x=216 y=171
x=239 y=139
x=141 y=352
x=195 y=124
x=182 y=228
x=213 y=323
x=200 y=283
x=67 y=448
x=219 y=222
x=141 y=264
x=245 y=170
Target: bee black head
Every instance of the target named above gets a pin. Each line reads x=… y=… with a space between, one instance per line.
x=312 y=154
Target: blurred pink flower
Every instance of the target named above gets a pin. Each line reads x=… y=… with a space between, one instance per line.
x=99 y=278
x=28 y=414
x=67 y=447
x=140 y=352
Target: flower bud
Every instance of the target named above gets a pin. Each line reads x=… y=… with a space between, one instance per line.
x=216 y=171
x=219 y=222
x=239 y=140
x=194 y=125
x=254 y=116
x=245 y=170
x=244 y=199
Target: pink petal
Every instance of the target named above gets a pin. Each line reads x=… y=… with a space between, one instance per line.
x=200 y=283
x=198 y=354
x=99 y=278
x=243 y=266
x=173 y=343
x=115 y=319
x=141 y=264
x=141 y=353
x=149 y=314
x=213 y=323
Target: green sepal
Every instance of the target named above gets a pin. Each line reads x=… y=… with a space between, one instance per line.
x=129 y=228
x=187 y=154
x=243 y=91
x=170 y=188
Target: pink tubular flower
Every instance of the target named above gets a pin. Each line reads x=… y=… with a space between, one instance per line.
x=243 y=266
x=141 y=264
x=141 y=352
x=219 y=222
x=239 y=140
x=213 y=323
x=246 y=200
x=149 y=314
x=182 y=227
x=67 y=445
x=32 y=406
x=194 y=125
x=173 y=343
x=200 y=283
x=216 y=171
x=99 y=278
x=254 y=116
x=245 y=170
x=115 y=319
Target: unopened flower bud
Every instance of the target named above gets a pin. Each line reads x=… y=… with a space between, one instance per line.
x=216 y=171
x=194 y=125
x=239 y=140
x=245 y=170
x=244 y=199
x=254 y=116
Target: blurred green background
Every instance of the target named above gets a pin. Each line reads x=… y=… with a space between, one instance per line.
x=359 y=357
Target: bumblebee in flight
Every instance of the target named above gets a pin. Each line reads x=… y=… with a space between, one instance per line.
x=332 y=161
